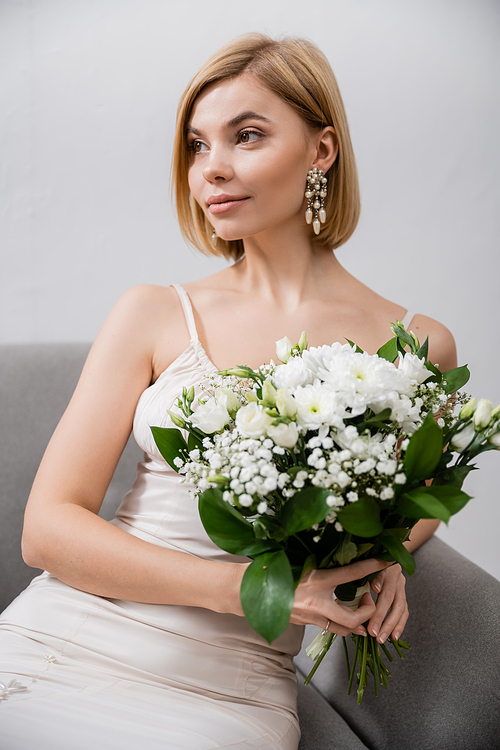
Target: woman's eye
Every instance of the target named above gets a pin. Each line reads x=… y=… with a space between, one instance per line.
x=248 y=136
x=197 y=146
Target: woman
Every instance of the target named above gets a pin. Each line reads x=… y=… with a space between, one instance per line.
x=135 y=633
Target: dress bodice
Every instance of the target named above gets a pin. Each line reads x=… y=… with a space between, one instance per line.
x=159 y=508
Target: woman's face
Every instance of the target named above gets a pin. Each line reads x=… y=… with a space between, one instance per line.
x=250 y=154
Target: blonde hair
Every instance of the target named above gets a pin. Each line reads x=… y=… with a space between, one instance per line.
x=298 y=72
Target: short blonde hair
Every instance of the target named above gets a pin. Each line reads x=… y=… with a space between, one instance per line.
x=298 y=72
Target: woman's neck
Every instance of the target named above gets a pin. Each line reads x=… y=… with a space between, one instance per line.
x=287 y=269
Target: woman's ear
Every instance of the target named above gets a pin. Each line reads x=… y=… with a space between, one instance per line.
x=327 y=148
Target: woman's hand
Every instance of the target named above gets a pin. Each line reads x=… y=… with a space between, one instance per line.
x=391 y=610
x=314 y=603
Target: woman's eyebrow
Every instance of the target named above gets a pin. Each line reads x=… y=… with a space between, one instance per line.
x=248 y=115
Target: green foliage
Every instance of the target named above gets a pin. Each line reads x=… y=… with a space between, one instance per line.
x=304 y=509
x=398 y=552
x=455 y=476
x=436 y=501
x=424 y=451
x=455 y=379
x=267 y=594
x=171 y=444
x=361 y=518
x=228 y=529
x=345 y=552
x=389 y=351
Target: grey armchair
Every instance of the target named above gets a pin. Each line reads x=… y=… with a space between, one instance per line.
x=444 y=696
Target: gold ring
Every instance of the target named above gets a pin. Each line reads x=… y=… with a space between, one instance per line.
x=325 y=629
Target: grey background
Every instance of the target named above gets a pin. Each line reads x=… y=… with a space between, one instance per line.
x=88 y=94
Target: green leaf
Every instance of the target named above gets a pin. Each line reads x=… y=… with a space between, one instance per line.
x=359 y=350
x=403 y=336
x=267 y=593
x=194 y=442
x=361 y=518
x=419 y=503
x=423 y=352
x=437 y=374
x=228 y=529
x=452 y=497
x=424 y=451
x=382 y=416
x=455 y=379
x=304 y=509
x=454 y=476
x=171 y=444
x=389 y=351
x=345 y=552
x=399 y=553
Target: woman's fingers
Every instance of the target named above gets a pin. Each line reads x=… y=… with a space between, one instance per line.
x=358 y=570
x=391 y=611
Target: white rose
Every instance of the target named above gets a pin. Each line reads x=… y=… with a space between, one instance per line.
x=252 y=420
x=462 y=439
x=483 y=413
x=285 y=435
x=210 y=417
x=285 y=403
x=283 y=349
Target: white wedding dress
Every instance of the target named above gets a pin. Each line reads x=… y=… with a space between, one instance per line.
x=80 y=671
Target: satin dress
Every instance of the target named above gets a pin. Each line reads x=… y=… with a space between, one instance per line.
x=81 y=671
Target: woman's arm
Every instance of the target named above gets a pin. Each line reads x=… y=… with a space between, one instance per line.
x=62 y=532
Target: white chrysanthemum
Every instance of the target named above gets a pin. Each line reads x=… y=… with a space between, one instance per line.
x=359 y=379
x=414 y=368
x=316 y=406
x=293 y=374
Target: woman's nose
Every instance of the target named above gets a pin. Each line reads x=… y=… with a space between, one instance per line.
x=217 y=166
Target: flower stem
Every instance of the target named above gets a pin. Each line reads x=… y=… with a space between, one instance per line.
x=346 y=654
x=362 y=673
x=357 y=639
x=374 y=648
x=320 y=658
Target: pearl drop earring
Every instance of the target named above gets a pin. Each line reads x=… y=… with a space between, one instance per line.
x=316 y=192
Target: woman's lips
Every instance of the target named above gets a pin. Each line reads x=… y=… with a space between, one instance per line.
x=227 y=205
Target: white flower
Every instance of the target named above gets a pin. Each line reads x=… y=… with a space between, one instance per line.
x=211 y=416
x=316 y=406
x=245 y=500
x=262 y=507
x=293 y=374
x=387 y=493
x=252 y=420
x=461 y=440
x=414 y=368
x=229 y=399
x=495 y=439
x=483 y=412
x=285 y=403
x=283 y=349
x=285 y=435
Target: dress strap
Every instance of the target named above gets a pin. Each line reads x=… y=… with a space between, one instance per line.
x=188 y=311
x=407 y=319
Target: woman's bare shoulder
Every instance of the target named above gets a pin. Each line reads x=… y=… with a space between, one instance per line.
x=442 y=347
x=151 y=316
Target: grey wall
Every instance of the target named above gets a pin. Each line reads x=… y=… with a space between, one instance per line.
x=88 y=92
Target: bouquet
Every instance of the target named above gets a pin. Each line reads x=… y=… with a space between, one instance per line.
x=322 y=460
